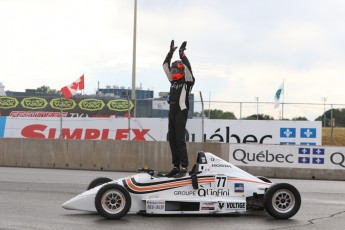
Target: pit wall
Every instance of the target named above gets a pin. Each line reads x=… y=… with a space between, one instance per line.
x=128 y=156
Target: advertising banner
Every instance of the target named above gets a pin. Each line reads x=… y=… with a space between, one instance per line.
x=316 y=157
x=57 y=107
x=156 y=129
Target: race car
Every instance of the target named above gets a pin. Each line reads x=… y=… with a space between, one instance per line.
x=214 y=186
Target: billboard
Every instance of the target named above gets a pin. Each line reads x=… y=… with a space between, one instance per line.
x=316 y=157
x=61 y=107
x=156 y=129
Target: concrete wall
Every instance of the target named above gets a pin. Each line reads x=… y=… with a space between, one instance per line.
x=96 y=154
x=127 y=156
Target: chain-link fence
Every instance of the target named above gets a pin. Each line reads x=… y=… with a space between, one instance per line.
x=245 y=110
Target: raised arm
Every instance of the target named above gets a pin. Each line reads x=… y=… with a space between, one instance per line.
x=188 y=71
x=167 y=61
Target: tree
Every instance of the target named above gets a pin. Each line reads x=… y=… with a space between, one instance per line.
x=219 y=114
x=46 y=89
x=299 y=119
x=338 y=116
x=259 y=117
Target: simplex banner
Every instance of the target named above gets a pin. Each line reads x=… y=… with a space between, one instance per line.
x=316 y=157
x=156 y=129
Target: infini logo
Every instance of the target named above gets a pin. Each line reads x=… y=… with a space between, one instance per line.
x=34 y=103
x=8 y=102
x=44 y=132
x=91 y=104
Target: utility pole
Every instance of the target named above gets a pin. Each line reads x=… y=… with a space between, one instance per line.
x=134 y=56
x=257 y=108
x=324 y=99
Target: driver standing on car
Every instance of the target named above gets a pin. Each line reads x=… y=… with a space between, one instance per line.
x=181 y=78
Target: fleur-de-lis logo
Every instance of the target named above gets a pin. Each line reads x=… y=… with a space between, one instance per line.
x=308 y=133
x=287 y=132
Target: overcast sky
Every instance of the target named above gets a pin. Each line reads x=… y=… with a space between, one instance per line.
x=238 y=49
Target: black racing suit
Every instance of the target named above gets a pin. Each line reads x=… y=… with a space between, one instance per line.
x=179 y=106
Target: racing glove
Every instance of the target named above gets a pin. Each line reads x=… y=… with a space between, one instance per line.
x=172 y=47
x=182 y=49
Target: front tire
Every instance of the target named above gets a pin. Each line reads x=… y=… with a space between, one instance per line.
x=98 y=181
x=282 y=200
x=113 y=201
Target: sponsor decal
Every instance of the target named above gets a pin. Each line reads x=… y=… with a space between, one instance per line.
x=213 y=192
x=62 y=104
x=232 y=205
x=120 y=105
x=43 y=131
x=311 y=155
x=8 y=102
x=263 y=156
x=338 y=158
x=207 y=205
x=91 y=104
x=34 y=103
x=185 y=193
x=37 y=114
x=238 y=187
x=155 y=205
x=203 y=160
x=287 y=132
x=308 y=133
x=221 y=166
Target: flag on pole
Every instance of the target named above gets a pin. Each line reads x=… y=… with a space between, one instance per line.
x=278 y=94
x=70 y=90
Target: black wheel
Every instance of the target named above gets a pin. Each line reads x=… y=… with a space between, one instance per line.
x=282 y=201
x=264 y=179
x=113 y=201
x=98 y=181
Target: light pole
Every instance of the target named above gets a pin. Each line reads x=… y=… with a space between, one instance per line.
x=257 y=108
x=324 y=99
x=134 y=56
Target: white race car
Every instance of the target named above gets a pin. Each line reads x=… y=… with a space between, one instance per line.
x=214 y=186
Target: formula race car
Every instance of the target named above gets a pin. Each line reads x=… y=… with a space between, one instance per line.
x=214 y=186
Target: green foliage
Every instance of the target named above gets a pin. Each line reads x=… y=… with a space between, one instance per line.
x=219 y=114
x=338 y=117
x=46 y=89
x=259 y=117
x=299 y=119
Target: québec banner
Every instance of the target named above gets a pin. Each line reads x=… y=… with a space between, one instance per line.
x=156 y=129
x=316 y=157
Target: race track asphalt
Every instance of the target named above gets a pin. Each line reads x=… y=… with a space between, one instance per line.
x=31 y=199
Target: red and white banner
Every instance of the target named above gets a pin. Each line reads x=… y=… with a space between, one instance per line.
x=70 y=90
x=156 y=129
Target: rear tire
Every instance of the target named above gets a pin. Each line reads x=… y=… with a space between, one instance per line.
x=282 y=200
x=98 y=181
x=113 y=201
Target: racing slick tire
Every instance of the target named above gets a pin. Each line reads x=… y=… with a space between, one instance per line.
x=113 y=201
x=282 y=200
x=98 y=181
